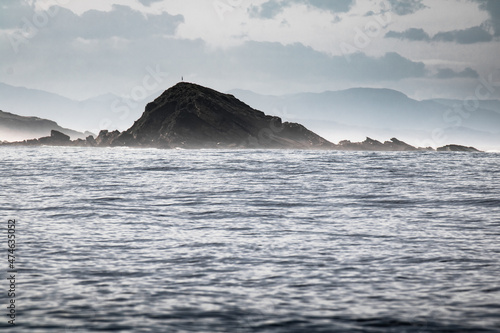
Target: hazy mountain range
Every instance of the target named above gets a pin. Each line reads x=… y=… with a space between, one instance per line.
x=336 y=115
x=16 y=128
x=384 y=113
x=102 y=112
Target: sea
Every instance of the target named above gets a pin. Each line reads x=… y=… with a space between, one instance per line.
x=150 y=240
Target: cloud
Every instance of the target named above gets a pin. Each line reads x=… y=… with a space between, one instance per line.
x=405 y=7
x=412 y=34
x=303 y=64
x=13 y=11
x=100 y=51
x=466 y=36
x=271 y=8
x=447 y=73
x=390 y=67
x=86 y=67
x=267 y=10
x=337 y=6
x=148 y=2
x=493 y=9
x=121 y=21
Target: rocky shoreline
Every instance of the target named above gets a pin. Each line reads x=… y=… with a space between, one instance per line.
x=190 y=116
x=105 y=138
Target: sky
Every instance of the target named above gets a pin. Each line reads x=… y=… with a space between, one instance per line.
x=86 y=48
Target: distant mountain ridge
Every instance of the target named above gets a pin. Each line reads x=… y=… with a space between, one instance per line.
x=15 y=128
x=378 y=108
x=106 y=111
x=359 y=112
x=490 y=104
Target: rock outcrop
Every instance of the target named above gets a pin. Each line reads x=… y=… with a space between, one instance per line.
x=106 y=138
x=457 y=148
x=191 y=116
x=56 y=138
x=374 y=145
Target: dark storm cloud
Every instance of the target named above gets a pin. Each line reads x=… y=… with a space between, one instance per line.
x=271 y=8
x=447 y=73
x=466 y=36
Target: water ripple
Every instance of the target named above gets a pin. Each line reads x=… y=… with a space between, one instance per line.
x=254 y=241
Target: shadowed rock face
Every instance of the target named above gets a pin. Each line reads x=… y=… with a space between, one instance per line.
x=192 y=116
x=105 y=138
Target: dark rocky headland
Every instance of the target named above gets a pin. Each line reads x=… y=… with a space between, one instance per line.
x=191 y=116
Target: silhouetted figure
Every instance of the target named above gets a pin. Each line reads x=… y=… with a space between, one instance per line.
x=182 y=78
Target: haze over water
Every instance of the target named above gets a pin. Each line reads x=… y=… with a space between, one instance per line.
x=254 y=241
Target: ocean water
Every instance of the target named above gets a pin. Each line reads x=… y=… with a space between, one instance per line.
x=150 y=240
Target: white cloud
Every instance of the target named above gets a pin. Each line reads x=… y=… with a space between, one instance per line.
x=93 y=47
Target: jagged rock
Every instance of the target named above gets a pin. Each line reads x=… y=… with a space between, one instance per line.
x=91 y=141
x=374 y=145
x=425 y=149
x=58 y=136
x=397 y=145
x=457 y=148
x=105 y=138
x=79 y=143
x=32 y=142
x=368 y=144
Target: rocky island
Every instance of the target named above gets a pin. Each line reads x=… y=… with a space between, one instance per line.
x=192 y=116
